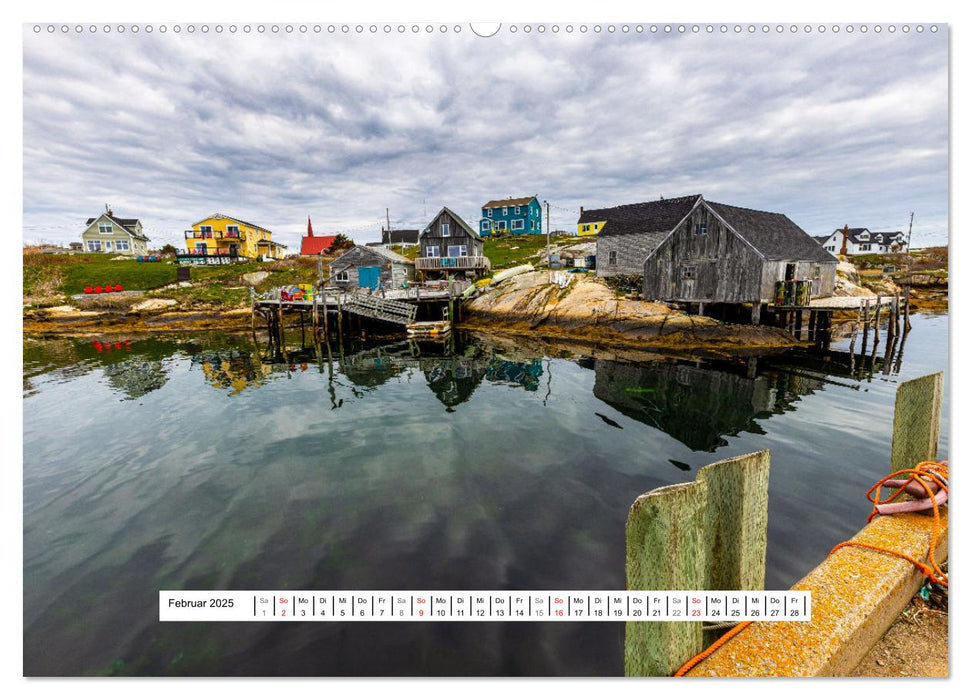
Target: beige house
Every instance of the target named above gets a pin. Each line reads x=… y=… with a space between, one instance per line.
x=110 y=234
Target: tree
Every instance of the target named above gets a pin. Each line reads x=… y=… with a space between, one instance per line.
x=340 y=242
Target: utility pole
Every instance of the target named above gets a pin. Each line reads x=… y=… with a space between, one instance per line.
x=387 y=215
x=548 y=262
x=910 y=230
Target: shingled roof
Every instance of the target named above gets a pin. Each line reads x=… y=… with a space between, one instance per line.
x=127 y=224
x=775 y=236
x=646 y=217
x=510 y=202
x=878 y=237
x=404 y=235
x=459 y=220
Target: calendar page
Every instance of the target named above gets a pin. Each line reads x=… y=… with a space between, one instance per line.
x=426 y=347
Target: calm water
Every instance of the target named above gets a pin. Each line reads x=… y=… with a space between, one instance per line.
x=193 y=462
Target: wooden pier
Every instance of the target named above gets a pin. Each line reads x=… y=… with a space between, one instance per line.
x=813 y=321
x=335 y=309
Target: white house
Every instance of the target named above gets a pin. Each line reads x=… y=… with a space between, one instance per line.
x=862 y=241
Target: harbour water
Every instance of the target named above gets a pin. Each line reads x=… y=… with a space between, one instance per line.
x=196 y=462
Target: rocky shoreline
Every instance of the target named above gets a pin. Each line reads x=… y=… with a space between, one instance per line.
x=585 y=309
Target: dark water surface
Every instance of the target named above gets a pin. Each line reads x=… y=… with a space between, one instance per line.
x=190 y=462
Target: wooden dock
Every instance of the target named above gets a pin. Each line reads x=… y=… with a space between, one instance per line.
x=820 y=312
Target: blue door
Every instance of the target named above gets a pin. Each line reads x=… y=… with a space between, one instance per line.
x=369 y=277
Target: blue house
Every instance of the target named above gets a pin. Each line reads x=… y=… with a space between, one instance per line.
x=513 y=215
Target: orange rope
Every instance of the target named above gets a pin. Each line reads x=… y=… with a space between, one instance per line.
x=937 y=473
x=695 y=660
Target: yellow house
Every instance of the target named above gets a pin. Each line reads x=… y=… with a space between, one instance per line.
x=591 y=221
x=225 y=235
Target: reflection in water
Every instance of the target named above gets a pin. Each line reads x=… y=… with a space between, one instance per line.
x=698 y=405
x=396 y=465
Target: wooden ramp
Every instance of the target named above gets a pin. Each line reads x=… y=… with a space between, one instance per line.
x=372 y=306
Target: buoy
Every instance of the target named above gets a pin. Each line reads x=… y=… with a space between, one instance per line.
x=109 y=288
x=118 y=288
x=88 y=289
x=98 y=289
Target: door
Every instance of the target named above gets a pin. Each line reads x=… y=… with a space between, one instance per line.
x=368 y=277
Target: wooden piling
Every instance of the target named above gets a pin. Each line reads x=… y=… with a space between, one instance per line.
x=916 y=421
x=907 y=309
x=876 y=321
x=866 y=326
x=665 y=531
x=709 y=534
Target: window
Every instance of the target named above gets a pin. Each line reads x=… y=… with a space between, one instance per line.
x=612 y=257
x=701 y=229
x=486 y=226
x=518 y=225
x=864 y=236
x=532 y=225
x=458 y=251
x=831 y=247
x=815 y=272
x=489 y=212
x=201 y=248
x=688 y=272
x=431 y=251
x=94 y=246
x=864 y=246
x=445 y=229
x=232 y=231
x=505 y=211
x=342 y=276
x=586 y=227
x=517 y=210
x=121 y=245
x=105 y=227
x=107 y=246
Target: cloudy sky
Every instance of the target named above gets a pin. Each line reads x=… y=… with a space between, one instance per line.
x=829 y=129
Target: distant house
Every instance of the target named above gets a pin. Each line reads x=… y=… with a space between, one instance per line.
x=315 y=245
x=512 y=215
x=862 y=241
x=110 y=234
x=372 y=268
x=726 y=254
x=449 y=245
x=403 y=237
x=227 y=236
x=627 y=234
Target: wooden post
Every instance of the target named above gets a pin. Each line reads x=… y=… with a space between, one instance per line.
x=866 y=326
x=665 y=532
x=907 y=310
x=876 y=321
x=756 y=312
x=856 y=329
x=916 y=421
x=709 y=534
x=798 y=333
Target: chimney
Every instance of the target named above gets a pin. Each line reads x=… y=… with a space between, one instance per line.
x=581 y=211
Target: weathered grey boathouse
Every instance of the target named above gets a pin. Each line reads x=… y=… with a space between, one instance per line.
x=371 y=268
x=725 y=254
x=627 y=234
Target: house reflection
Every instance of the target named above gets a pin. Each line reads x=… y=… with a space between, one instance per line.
x=699 y=405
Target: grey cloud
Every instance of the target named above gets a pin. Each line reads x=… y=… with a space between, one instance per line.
x=829 y=130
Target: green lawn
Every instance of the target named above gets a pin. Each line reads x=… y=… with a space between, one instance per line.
x=510 y=251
